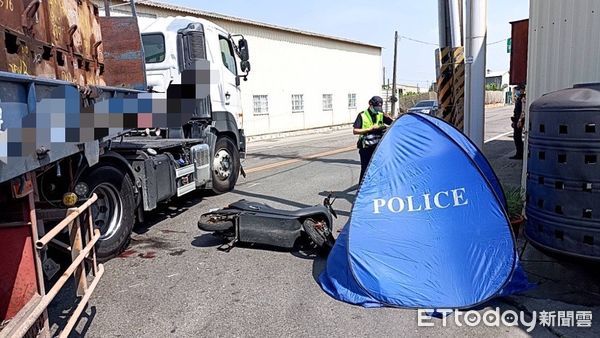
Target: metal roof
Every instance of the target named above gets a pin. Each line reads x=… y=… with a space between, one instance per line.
x=187 y=10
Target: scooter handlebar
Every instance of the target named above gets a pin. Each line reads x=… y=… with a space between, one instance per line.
x=327 y=202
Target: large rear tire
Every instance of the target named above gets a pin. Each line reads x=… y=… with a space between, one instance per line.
x=113 y=212
x=225 y=165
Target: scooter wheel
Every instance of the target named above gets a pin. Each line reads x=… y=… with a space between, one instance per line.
x=319 y=233
x=214 y=222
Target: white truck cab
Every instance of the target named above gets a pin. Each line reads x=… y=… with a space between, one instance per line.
x=192 y=58
x=161 y=39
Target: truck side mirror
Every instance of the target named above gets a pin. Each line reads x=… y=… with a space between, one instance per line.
x=243 y=48
x=245 y=65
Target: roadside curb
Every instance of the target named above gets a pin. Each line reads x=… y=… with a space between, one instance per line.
x=301 y=132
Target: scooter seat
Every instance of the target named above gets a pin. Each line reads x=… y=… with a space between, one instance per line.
x=264 y=208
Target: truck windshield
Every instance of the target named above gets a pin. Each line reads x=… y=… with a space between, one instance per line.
x=154 y=47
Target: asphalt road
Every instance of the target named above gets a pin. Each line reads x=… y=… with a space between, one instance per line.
x=172 y=281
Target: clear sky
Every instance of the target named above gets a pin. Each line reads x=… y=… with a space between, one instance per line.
x=374 y=22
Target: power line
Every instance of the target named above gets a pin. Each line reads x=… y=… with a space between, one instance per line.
x=495 y=42
x=437 y=45
x=419 y=41
x=413 y=80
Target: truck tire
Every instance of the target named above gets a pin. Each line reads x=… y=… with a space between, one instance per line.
x=113 y=212
x=225 y=165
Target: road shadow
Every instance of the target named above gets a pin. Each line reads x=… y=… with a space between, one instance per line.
x=344 y=194
x=263 y=156
x=272 y=199
x=319 y=264
x=302 y=249
x=498 y=154
x=88 y=317
x=170 y=209
x=207 y=240
x=61 y=309
x=559 y=277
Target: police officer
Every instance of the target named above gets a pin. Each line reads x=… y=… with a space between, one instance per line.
x=370 y=125
x=517 y=122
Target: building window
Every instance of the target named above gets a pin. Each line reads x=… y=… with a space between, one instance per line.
x=261 y=104
x=327 y=101
x=297 y=103
x=351 y=100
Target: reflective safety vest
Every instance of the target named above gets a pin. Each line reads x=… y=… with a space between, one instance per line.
x=367 y=122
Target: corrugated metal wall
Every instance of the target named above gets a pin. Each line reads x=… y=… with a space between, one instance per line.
x=564 y=47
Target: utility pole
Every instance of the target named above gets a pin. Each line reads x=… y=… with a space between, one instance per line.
x=394 y=98
x=476 y=15
x=455 y=23
x=450 y=77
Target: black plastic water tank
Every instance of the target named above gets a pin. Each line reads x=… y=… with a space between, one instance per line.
x=563 y=172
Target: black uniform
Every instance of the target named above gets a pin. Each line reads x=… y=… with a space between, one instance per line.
x=367 y=153
x=518 y=132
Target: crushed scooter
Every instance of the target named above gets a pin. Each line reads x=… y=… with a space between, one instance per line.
x=258 y=223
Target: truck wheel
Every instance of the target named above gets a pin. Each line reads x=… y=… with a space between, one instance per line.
x=113 y=212
x=225 y=166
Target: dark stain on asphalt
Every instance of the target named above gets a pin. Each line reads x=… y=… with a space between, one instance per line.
x=148 y=254
x=150 y=243
x=127 y=253
x=177 y=252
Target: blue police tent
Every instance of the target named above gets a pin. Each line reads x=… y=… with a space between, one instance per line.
x=428 y=227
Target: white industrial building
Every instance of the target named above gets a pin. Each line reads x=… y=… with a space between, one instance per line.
x=564 y=47
x=299 y=80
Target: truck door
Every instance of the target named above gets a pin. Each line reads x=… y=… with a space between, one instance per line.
x=229 y=89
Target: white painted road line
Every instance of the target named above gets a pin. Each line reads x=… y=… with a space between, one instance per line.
x=301 y=158
x=498 y=136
